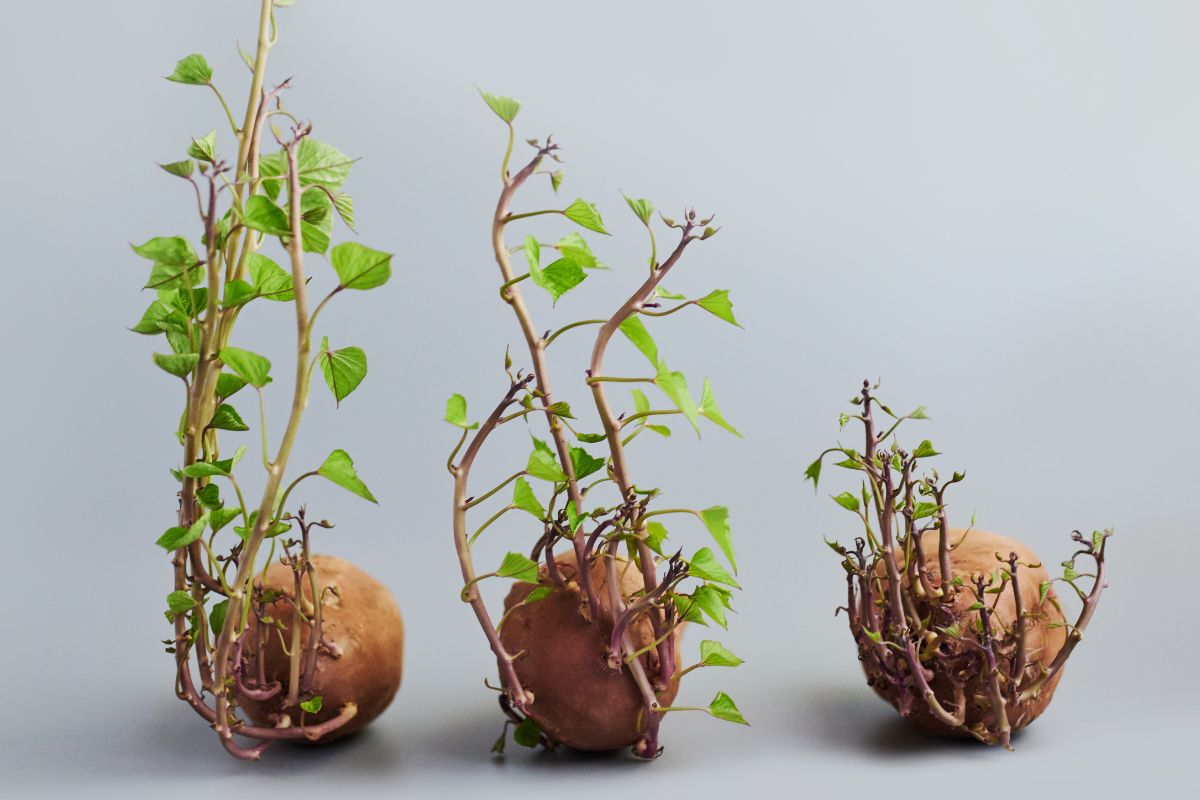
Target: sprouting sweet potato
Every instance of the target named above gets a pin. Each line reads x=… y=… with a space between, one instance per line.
x=579 y=698
x=360 y=656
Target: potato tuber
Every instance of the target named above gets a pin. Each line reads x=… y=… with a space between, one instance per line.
x=578 y=698
x=358 y=659
x=960 y=630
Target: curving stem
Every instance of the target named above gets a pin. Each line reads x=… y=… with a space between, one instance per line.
x=518 y=697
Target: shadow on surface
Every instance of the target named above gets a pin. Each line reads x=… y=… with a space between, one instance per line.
x=851 y=720
x=468 y=739
x=177 y=742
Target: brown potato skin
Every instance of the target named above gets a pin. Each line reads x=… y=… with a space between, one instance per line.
x=579 y=700
x=977 y=555
x=364 y=622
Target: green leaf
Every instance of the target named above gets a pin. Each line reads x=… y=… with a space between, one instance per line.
x=505 y=107
x=922 y=510
x=718 y=304
x=179 y=602
x=584 y=464
x=312 y=238
x=560 y=408
x=533 y=252
x=661 y=430
x=216 y=619
x=556 y=179
x=527 y=733
x=204 y=148
x=228 y=385
x=339 y=468
x=193 y=70
x=919 y=413
x=270 y=279
x=175 y=538
x=343 y=369
x=524 y=499
x=714 y=654
x=172 y=250
x=209 y=469
x=456 y=412
x=635 y=331
x=585 y=215
x=716 y=519
x=344 y=205
x=656 y=534
x=558 y=278
x=543 y=463
x=642 y=208
x=317 y=208
x=189 y=302
x=663 y=293
x=687 y=608
x=209 y=496
x=221 y=517
x=674 y=386
x=590 y=438
x=519 y=567
x=847 y=501
x=874 y=636
x=182 y=343
x=157 y=317
x=274 y=167
x=166 y=276
x=226 y=418
x=641 y=403
x=250 y=367
x=574 y=518
x=704 y=565
x=813 y=473
x=321 y=164
x=179 y=365
x=182 y=169
x=574 y=247
x=708 y=600
x=708 y=409
x=925 y=450
x=540 y=593
x=276 y=529
x=722 y=707
x=1097 y=540
x=360 y=267
x=313 y=704
x=1069 y=573
x=263 y=215
x=237 y=293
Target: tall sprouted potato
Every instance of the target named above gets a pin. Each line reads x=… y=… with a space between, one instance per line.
x=960 y=630
x=260 y=623
x=588 y=645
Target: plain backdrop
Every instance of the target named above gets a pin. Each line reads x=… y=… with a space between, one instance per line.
x=992 y=207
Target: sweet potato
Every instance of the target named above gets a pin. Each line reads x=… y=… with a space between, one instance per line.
x=579 y=699
x=976 y=554
x=362 y=655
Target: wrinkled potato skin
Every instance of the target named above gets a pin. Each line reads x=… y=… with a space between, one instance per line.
x=364 y=622
x=579 y=701
x=977 y=555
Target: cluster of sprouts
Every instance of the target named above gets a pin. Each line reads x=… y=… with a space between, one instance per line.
x=928 y=635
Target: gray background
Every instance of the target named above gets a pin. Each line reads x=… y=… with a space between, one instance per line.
x=992 y=206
